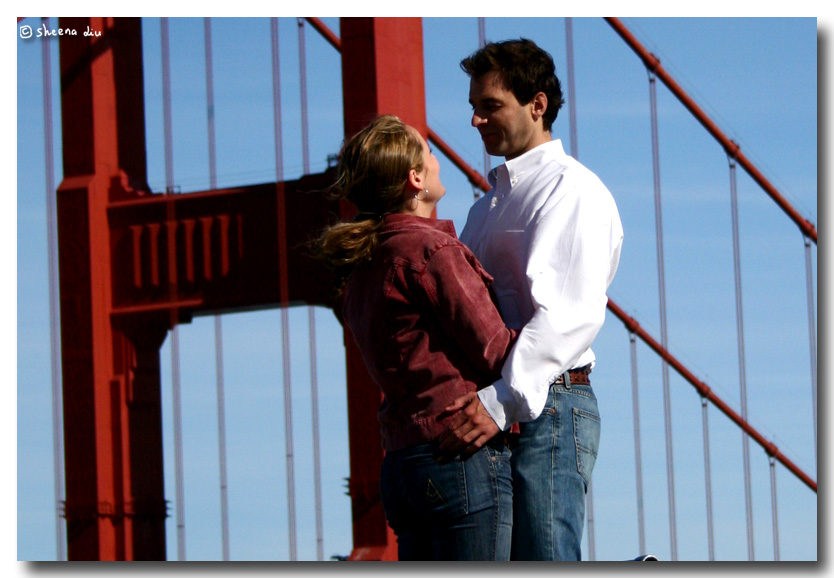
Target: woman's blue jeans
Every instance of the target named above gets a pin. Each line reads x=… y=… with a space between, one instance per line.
x=552 y=464
x=457 y=510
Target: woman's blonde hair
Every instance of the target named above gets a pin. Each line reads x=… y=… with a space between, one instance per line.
x=372 y=175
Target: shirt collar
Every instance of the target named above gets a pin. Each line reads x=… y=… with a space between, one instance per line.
x=513 y=171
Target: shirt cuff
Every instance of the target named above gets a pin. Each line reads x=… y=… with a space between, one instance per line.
x=494 y=398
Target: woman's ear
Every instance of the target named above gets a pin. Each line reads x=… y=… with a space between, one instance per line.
x=415 y=179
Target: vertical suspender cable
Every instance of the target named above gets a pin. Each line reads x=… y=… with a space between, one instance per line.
x=774 y=508
x=175 y=358
x=285 y=322
x=745 y=440
x=302 y=65
x=812 y=333
x=311 y=319
x=661 y=280
x=573 y=147
x=481 y=44
x=218 y=325
x=638 y=454
x=571 y=87
x=311 y=313
x=708 y=478
x=54 y=329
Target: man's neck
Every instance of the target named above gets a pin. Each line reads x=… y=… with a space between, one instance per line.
x=540 y=139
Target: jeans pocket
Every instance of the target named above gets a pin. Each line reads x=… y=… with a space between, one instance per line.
x=586 y=428
x=497 y=450
x=436 y=489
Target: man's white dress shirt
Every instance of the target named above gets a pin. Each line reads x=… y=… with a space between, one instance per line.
x=550 y=234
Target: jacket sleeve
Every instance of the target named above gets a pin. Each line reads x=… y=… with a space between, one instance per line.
x=457 y=290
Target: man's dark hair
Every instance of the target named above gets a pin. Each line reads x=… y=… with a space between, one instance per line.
x=525 y=70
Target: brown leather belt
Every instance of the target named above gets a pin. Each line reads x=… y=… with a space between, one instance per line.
x=577 y=377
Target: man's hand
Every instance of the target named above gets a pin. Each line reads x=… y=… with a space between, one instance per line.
x=470 y=429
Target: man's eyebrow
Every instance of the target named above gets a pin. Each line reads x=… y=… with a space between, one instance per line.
x=488 y=100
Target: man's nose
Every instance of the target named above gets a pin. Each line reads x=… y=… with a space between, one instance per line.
x=477 y=120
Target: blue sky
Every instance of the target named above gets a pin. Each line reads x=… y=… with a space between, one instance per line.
x=757 y=78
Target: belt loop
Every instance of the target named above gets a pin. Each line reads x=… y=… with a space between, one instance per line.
x=567 y=379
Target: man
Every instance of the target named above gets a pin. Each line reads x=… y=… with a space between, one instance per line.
x=550 y=234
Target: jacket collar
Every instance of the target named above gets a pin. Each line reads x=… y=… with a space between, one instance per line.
x=400 y=221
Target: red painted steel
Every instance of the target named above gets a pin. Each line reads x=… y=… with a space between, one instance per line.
x=731 y=147
x=227 y=253
x=769 y=447
x=474 y=177
x=115 y=508
x=132 y=264
x=328 y=34
x=634 y=326
x=382 y=73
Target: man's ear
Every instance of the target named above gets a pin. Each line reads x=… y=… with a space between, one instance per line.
x=539 y=105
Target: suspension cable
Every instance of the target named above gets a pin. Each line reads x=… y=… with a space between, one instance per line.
x=175 y=355
x=311 y=313
x=708 y=478
x=806 y=226
x=653 y=64
x=54 y=300
x=474 y=177
x=661 y=282
x=812 y=334
x=481 y=44
x=769 y=447
x=574 y=151
x=742 y=377
x=575 y=154
x=302 y=73
x=638 y=459
x=774 y=508
x=284 y=281
x=218 y=325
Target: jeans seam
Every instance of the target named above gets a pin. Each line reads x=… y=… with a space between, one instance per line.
x=580 y=413
x=461 y=467
x=496 y=501
x=551 y=536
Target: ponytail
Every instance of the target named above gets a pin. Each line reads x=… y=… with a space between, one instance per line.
x=373 y=173
x=344 y=246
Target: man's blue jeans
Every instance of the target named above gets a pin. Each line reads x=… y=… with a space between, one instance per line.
x=552 y=465
x=458 y=510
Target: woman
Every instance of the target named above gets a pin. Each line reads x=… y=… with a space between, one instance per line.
x=420 y=309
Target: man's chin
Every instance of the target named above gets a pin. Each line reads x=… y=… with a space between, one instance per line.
x=494 y=150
